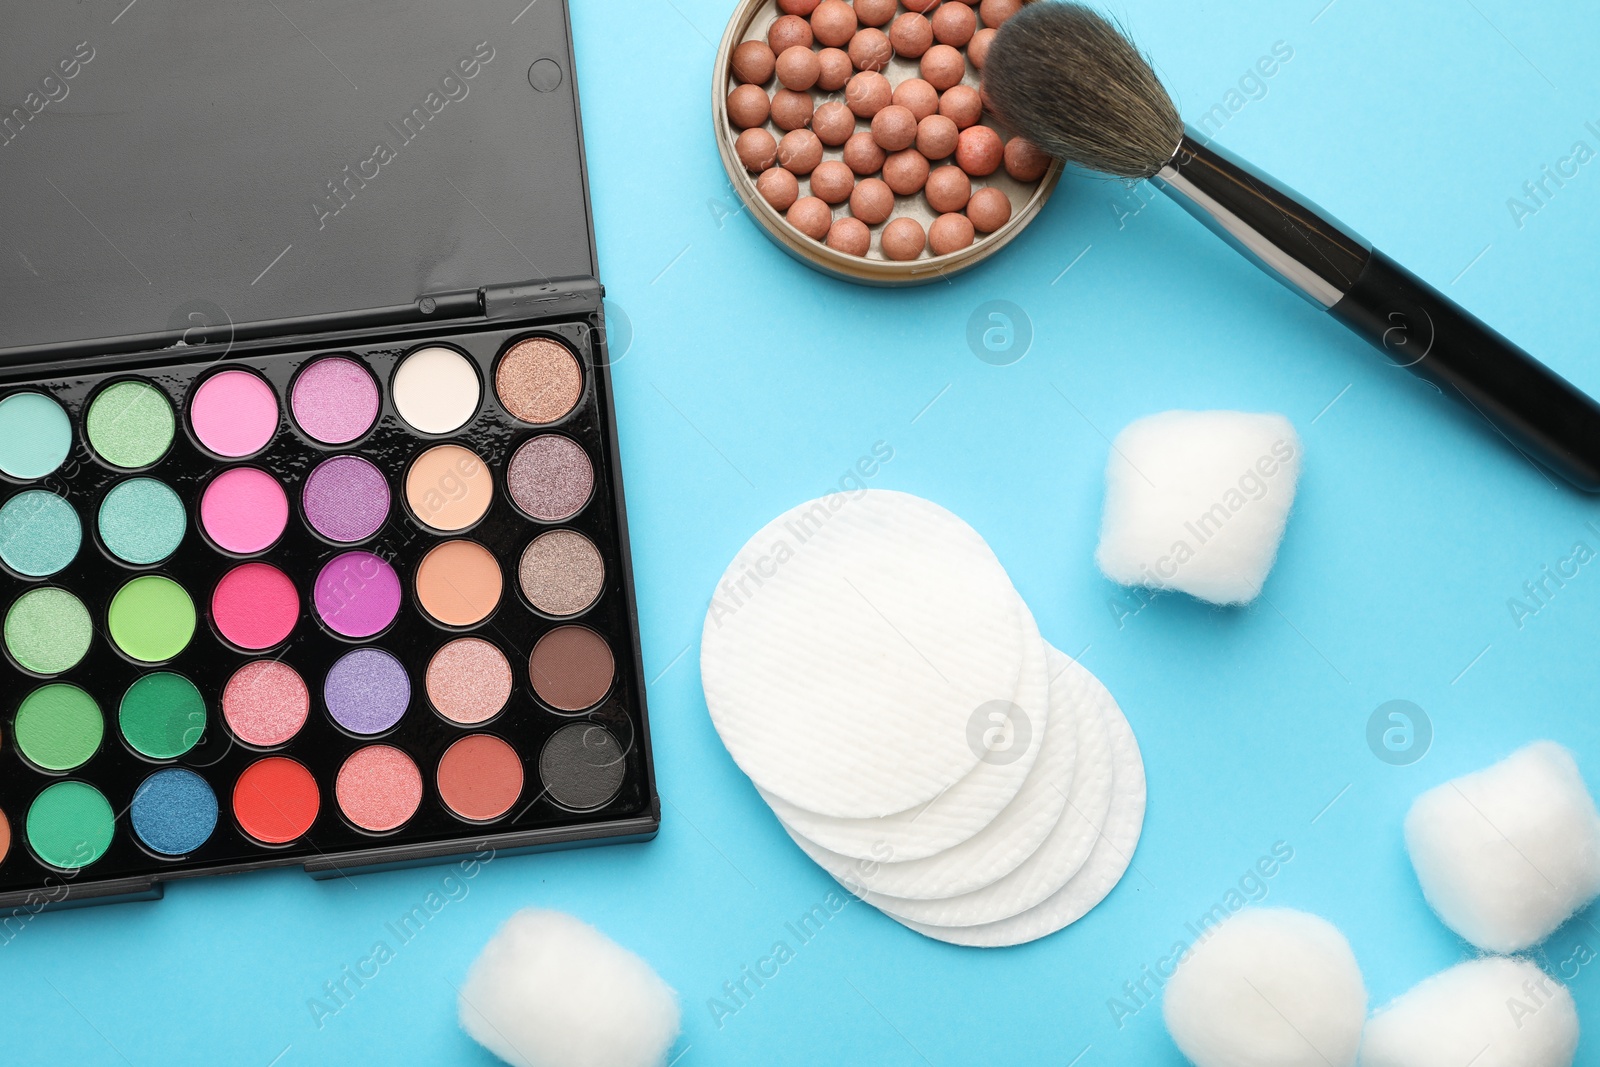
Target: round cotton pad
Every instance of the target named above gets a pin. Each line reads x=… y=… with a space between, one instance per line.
x=849 y=647
x=1268 y=986
x=997 y=849
x=1106 y=797
x=966 y=807
x=1114 y=836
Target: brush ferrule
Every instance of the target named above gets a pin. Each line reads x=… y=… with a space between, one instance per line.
x=1288 y=237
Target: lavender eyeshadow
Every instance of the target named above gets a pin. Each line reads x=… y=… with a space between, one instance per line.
x=367 y=691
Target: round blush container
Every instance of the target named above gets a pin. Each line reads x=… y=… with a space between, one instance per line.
x=244 y=510
x=356 y=594
x=346 y=499
x=378 y=788
x=234 y=413
x=265 y=703
x=367 y=691
x=335 y=400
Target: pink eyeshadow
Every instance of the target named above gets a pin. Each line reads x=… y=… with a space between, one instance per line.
x=244 y=510
x=335 y=400
x=379 y=788
x=255 y=606
x=234 y=413
x=265 y=703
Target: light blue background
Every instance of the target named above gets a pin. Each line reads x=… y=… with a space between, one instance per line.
x=752 y=383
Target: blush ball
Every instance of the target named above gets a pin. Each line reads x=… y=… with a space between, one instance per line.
x=799 y=152
x=833 y=69
x=832 y=181
x=962 y=105
x=954 y=24
x=943 y=66
x=753 y=62
x=903 y=239
x=811 y=217
x=918 y=96
x=911 y=34
x=748 y=105
x=798 y=68
x=921 y=6
x=792 y=110
x=989 y=209
x=978 y=151
x=1025 y=161
x=849 y=236
x=549 y=989
x=833 y=123
x=978 y=47
x=798 y=7
x=936 y=137
x=875 y=12
x=870 y=50
x=894 y=128
x=995 y=12
x=788 y=31
x=905 y=172
x=868 y=93
x=862 y=154
x=756 y=149
x=950 y=233
x=872 y=202
x=779 y=188
x=948 y=190
x=834 y=23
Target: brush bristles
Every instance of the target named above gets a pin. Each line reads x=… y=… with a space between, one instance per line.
x=1068 y=80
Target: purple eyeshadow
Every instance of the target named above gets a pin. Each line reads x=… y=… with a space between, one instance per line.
x=367 y=691
x=346 y=499
x=335 y=400
x=357 y=594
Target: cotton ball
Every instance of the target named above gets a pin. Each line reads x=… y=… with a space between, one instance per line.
x=1507 y=854
x=549 y=990
x=1269 y=987
x=1197 y=501
x=1493 y=1012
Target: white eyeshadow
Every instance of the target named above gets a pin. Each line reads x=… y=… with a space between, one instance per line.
x=436 y=390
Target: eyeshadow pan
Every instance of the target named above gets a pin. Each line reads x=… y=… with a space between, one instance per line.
x=162 y=715
x=48 y=630
x=39 y=533
x=58 y=727
x=469 y=680
x=480 y=777
x=379 y=788
x=449 y=488
x=459 y=583
x=550 y=477
x=174 y=811
x=539 y=380
x=35 y=435
x=561 y=572
x=367 y=691
x=70 y=825
x=244 y=510
x=234 y=413
x=142 y=521
x=571 y=668
x=276 y=800
x=265 y=703
x=335 y=400
x=581 y=766
x=346 y=499
x=151 y=619
x=436 y=390
x=130 y=424
x=5 y=837
x=357 y=594
x=255 y=606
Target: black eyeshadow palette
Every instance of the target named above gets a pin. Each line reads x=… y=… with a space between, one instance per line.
x=329 y=568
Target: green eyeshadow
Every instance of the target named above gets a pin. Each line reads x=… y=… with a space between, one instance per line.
x=162 y=715
x=35 y=435
x=130 y=424
x=142 y=521
x=70 y=825
x=151 y=619
x=59 y=727
x=39 y=533
x=47 y=630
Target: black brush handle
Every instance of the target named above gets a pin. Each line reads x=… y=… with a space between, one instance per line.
x=1421 y=329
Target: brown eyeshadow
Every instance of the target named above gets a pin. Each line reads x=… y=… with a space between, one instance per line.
x=539 y=380
x=480 y=777
x=571 y=668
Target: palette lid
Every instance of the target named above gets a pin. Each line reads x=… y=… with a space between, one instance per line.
x=169 y=168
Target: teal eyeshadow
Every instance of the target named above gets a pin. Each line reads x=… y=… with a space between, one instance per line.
x=35 y=435
x=39 y=533
x=142 y=521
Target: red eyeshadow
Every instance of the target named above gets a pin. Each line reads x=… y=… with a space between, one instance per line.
x=276 y=800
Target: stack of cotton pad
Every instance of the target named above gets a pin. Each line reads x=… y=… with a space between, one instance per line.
x=870 y=666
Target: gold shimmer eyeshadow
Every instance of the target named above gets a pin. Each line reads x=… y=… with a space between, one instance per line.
x=539 y=380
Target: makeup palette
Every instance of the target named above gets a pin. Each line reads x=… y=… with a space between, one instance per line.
x=341 y=589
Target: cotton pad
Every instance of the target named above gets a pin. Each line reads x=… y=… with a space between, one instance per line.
x=1197 y=501
x=549 y=990
x=1107 y=861
x=967 y=806
x=848 y=647
x=1507 y=854
x=1269 y=987
x=1493 y=1012
x=1106 y=797
x=997 y=849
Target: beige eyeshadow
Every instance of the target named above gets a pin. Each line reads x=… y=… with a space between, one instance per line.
x=449 y=488
x=539 y=380
x=561 y=572
x=459 y=583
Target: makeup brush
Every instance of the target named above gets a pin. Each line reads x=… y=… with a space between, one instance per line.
x=1068 y=80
